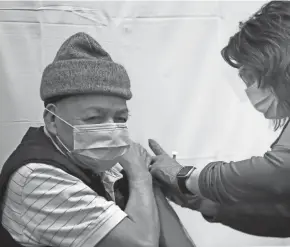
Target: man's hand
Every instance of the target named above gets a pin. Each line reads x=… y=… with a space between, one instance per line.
x=135 y=162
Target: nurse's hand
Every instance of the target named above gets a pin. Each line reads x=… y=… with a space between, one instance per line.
x=187 y=201
x=164 y=168
x=193 y=202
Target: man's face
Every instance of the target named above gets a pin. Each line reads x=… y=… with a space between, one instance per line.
x=89 y=109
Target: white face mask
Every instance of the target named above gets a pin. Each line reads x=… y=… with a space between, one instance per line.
x=266 y=101
x=100 y=142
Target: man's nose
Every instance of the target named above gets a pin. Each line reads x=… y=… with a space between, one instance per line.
x=109 y=120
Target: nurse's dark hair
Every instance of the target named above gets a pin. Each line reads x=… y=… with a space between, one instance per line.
x=262 y=44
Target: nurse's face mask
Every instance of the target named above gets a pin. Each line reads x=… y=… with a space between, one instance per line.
x=265 y=100
x=97 y=142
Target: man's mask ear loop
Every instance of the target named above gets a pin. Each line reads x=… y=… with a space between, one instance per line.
x=57 y=137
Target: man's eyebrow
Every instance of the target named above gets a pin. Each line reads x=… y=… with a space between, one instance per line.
x=121 y=111
x=103 y=109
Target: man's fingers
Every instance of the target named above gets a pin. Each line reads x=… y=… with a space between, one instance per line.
x=154 y=159
x=152 y=171
x=156 y=173
x=155 y=147
x=148 y=161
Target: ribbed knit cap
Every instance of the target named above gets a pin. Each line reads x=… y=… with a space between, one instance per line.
x=82 y=66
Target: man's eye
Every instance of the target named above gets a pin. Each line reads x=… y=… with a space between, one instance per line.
x=121 y=120
x=93 y=118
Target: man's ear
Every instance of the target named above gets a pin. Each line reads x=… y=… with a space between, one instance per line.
x=49 y=118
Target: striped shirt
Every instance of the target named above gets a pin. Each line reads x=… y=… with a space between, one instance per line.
x=45 y=206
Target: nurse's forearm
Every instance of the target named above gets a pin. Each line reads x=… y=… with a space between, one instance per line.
x=192 y=183
x=214 y=209
x=246 y=181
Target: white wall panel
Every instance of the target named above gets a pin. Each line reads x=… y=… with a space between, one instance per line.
x=185 y=96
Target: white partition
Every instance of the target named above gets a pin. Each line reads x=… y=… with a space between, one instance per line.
x=185 y=96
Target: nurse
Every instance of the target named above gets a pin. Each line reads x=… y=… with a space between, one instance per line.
x=252 y=195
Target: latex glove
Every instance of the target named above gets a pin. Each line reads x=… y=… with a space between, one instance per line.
x=165 y=169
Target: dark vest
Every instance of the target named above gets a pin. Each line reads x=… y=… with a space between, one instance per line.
x=36 y=147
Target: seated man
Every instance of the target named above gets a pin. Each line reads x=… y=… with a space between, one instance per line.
x=80 y=180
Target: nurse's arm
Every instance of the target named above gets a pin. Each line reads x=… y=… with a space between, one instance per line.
x=258 y=179
x=259 y=220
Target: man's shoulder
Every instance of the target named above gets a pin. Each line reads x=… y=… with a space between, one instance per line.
x=54 y=207
x=35 y=169
x=39 y=183
x=32 y=178
x=38 y=176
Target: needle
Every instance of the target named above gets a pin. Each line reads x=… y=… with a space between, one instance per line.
x=174 y=154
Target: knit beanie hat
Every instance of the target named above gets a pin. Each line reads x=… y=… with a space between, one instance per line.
x=82 y=66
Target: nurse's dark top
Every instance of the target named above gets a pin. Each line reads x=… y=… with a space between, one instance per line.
x=254 y=194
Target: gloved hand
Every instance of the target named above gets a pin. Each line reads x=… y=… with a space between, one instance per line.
x=165 y=169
